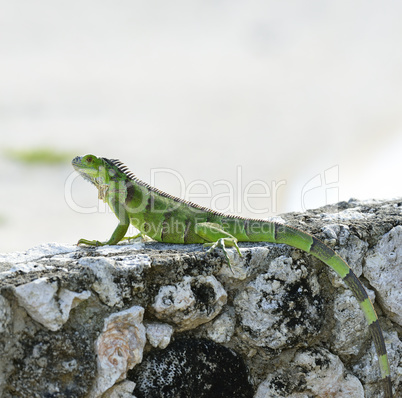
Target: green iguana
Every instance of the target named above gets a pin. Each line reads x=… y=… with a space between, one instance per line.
x=166 y=218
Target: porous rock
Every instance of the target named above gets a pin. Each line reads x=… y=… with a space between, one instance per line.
x=118 y=348
x=280 y=308
x=159 y=334
x=46 y=303
x=314 y=372
x=286 y=324
x=191 y=302
x=384 y=271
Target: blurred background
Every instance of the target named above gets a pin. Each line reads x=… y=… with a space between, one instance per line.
x=255 y=108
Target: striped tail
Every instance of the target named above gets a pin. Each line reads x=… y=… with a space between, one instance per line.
x=301 y=240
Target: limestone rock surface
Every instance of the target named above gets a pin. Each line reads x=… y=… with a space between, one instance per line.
x=129 y=320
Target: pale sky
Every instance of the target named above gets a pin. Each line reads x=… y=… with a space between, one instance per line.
x=298 y=101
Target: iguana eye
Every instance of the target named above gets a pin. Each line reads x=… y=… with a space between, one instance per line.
x=89 y=159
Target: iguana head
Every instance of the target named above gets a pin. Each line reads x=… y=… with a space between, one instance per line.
x=110 y=176
x=90 y=167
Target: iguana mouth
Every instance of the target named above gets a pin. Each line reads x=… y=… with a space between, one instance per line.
x=77 y=164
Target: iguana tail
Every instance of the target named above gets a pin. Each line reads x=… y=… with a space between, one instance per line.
x=308 y=243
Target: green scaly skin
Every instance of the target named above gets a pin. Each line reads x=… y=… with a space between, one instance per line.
x=166 y=218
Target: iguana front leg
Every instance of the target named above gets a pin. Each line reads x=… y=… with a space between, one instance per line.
x=217 y=237
x=118 y=233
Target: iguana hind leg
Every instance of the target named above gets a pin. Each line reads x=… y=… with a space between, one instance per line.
x=216 y=237
x=139 y=235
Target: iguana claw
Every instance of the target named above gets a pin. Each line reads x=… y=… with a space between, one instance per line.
x=220 y=243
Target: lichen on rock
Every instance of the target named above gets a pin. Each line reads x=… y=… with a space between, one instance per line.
x=280 y=308
x=192 y=368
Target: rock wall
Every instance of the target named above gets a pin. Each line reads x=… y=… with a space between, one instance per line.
x=158 y=320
